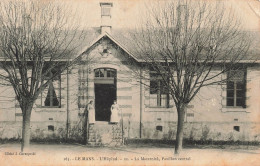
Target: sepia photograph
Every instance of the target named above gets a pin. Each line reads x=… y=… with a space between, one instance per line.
x=130 y=82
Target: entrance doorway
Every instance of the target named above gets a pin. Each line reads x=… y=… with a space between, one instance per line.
x=105 y=95
x=105 y=92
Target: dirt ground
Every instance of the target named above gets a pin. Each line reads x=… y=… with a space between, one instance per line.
x=76 y=154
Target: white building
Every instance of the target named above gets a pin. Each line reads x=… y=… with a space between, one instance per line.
x=146 y=114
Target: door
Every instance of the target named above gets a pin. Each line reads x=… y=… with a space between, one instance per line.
x=105 y=92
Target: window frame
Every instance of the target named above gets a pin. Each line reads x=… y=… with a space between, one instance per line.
x=107 y=71
x=58 y=95
x=232 y=89
x=161 y=90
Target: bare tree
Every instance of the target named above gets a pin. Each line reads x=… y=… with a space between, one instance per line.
x=188 y=45
x=39 y=40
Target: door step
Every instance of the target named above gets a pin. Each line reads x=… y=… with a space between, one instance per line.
x=105 y=134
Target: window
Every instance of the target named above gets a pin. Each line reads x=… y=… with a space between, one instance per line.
x=236 y=128
x=236 y=88
x=159 y=96
x=190 y=114
x=105 y=72
x=51 y=96
x=50 y=128
x=159 y=128
x=99 y=72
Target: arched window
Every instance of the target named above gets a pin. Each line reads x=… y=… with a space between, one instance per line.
x=105 y=73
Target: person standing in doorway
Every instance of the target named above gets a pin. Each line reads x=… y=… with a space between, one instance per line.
x=114 y=112
x=91 y=112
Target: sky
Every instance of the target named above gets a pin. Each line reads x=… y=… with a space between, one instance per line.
x=126 y=13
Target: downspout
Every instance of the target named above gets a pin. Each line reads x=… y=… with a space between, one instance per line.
x=87 y=78
x=87 y=101
x=68 y=114
x=141 y=102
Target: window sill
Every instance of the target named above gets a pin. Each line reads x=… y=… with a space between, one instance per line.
x=234 y=109
x=49 y=109
x=55 y=107
x=159 y=109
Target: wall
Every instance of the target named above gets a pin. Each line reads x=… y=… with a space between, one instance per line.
x=208 y=113
x=208 y=118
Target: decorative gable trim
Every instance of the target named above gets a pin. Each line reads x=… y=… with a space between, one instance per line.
x=86 y=49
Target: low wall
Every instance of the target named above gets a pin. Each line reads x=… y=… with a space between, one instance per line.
x=41 y=130
x=224 y=131
x=166 y=130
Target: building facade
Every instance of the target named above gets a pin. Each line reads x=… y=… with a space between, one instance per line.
x=219 y=112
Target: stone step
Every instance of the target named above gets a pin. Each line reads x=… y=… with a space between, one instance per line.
x=105 y=134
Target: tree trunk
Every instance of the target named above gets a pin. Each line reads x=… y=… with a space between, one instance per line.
x=179 y=137
x=26 y=132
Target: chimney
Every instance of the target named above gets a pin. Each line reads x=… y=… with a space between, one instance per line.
x=106 y=17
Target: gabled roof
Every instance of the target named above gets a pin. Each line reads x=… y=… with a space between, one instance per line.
x=86 y=49
x=122 y=38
